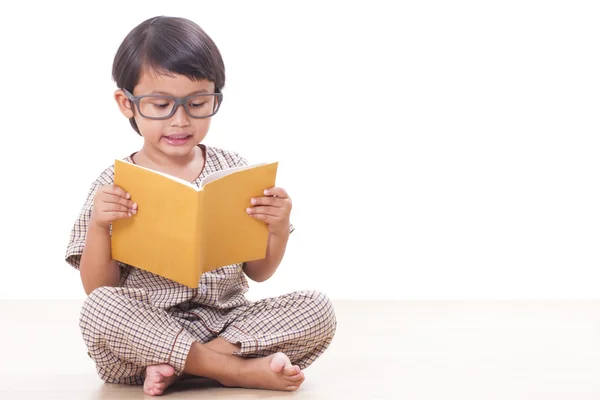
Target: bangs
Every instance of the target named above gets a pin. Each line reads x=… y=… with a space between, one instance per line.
x=170 y=51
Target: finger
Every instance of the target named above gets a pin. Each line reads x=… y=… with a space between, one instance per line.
x=269 y=219
x=114 y=215
x=116 y=199
x=276 y=191
x=268 y=201
x=112 y=207
x=266 y=210
x=117 y=190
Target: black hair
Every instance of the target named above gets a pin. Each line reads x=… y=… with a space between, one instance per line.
x=167 y=45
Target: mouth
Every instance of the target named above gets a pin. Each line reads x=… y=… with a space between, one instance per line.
x=177 y=139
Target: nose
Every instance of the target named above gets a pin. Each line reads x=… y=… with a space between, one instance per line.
x=180 y=117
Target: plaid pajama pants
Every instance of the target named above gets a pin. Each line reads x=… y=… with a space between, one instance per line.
x=125 y=333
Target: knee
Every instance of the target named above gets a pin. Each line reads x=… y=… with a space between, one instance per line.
x=96 y=301
x=324 y=313
x=96 y=306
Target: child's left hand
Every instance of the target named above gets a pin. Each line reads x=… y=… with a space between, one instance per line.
x=274 y=208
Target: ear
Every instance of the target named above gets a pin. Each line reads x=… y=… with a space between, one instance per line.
x=124 y=104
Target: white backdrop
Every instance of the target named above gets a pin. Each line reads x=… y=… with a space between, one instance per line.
x=432 y=149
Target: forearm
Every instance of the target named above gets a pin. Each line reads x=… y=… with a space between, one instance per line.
x=261 y=270
x=97 y=268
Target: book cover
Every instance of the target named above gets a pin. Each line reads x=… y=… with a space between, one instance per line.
x=180 y=230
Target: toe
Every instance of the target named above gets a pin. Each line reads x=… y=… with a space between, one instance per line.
x=296 y=378
x=148 y=388
x=279 y=362
x=291 y=370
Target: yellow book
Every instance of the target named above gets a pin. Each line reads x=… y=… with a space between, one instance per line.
x=181 y=231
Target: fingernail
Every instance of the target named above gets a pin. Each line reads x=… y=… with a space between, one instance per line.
x=248 y=210
x=253 y=201
x=129 y=214
x=134 y=211
x=127 y=195
x=134 y=205
x=267 y=192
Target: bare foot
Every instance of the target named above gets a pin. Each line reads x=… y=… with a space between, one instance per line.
x=274 y=372
x=158 y=378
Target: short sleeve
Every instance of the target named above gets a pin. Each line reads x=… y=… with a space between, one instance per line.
x=239 y=161
x=79 y=229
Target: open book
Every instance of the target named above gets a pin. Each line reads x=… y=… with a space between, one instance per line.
x=180 y=230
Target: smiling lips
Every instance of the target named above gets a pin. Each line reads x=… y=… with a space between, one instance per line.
x=178 y=139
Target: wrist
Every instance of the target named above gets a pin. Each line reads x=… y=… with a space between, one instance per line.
x=98 y=226
x=284 y=232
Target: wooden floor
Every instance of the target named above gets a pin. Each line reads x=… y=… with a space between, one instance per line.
x=383 y=350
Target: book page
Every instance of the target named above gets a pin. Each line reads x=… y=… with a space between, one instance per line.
x=232 y=235
x=174 y=178
x=224 y=172
x=163 y=237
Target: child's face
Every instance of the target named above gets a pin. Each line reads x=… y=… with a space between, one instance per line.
x=179 y=134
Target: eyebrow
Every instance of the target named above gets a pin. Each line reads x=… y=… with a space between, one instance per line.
x=169 y=94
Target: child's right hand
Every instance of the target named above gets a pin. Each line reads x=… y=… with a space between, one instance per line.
x=111 y=203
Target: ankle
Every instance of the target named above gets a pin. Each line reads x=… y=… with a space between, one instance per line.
x=191 y=362
x=206 y=362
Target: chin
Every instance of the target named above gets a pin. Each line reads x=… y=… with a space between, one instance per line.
x=179 y=150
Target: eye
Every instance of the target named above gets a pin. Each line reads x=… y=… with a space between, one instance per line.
x=161 y=105
x=198 y=105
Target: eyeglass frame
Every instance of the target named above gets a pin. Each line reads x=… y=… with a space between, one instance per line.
x=179 y=101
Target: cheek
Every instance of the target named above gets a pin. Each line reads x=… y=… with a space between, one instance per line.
x=201 y=125
x=151 y=129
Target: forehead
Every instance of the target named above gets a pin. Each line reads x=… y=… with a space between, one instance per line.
x=170 y=83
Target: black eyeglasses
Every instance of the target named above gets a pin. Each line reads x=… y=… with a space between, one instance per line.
x=152 y=106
